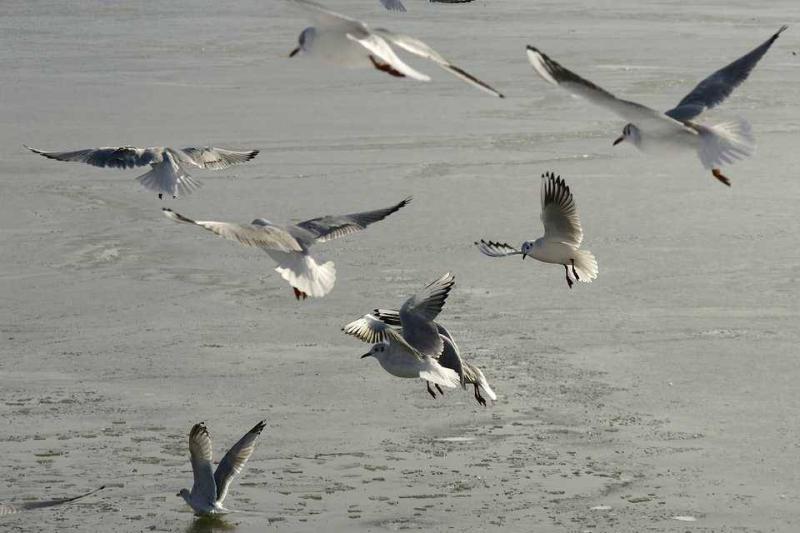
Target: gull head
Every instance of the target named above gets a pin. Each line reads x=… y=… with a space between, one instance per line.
x=261 y=222
x=377 y=350
x=304 y=41
x=527 y=248
x=184 y=494
x=631 y=134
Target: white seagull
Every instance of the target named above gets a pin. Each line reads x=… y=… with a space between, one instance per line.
x=715 y=144
x=289 y=245
x=415 y=350
x=450 y=358
x=210 y=487
x=562 y=235
x=168 y=165
x=13 y=508
x=347 y=42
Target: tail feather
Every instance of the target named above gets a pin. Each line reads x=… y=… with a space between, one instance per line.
x=169 y=178
x=304 y=273
x=435 y=373
x=482 y=383
x=585 y=265
x=725 y=143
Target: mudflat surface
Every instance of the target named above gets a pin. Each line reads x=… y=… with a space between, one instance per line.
x=667 y=388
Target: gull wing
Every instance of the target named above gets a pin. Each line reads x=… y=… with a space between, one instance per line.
x=559 y=212
x=233 y=462
x=371 y=330
x=552 y=72
x=496 y=248
x=713 y=90
x=381 y=49
x=391 y=317
x=215 y=158
x=200 y=453
x=394 y=5
x=108 y=156
x=11 y=508
x=265 y=236
x=332 y=227
x=418 y=313
x=419 y=48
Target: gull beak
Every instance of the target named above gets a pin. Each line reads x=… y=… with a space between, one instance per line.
x=618 y=141
x=294 y=52
x=178 y=494
x=366 y=355
x=524 y=256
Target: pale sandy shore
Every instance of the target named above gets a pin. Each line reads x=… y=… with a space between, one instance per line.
x=667 y=388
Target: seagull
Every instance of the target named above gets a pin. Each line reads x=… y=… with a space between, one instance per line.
x=168 y=165
x=415 y=351
x=289 y=245
x=562 y=235
x=450 y=358
x=12 y=508
x=348 y=42
x=209 y=489
x=715 y=144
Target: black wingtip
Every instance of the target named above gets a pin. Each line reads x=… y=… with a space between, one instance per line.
x=258 y=428
x=253 y=154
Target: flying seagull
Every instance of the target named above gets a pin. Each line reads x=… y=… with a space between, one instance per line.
x=393 y=5
x=210 y=487
x=348 y=42
x=289 y=245
x=416 y=350
x=168 y=165
x=562 y=235
x=12 y=508
x=715 y=144
x=450 y=358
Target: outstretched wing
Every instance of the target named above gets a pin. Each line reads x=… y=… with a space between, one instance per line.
x=419 y=48
x=11 y=508
x=496 y=248
x=332 y=227
x=418 y=313
x=263 y=236
x=115 y=157
x=559 y=212
x=379 y=48
x=554 y=73
x=371 y=330
x=713 y=90
x=233 y=462
x=391 y=317
x=216 y=158
x=200 y=452
x=393 y=5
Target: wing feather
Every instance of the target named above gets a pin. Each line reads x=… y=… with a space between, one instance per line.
x=559 y=212
x=234 y=461
x=115 y=157
x=328 y=228
x=216 y=158
x=496 y=248
x=200 y=453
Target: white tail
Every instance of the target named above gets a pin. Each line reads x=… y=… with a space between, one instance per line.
x=483 y=384
x=725 y=142
x=304 y=273
x=168 y=177
x=585 y=265
x=436 y=373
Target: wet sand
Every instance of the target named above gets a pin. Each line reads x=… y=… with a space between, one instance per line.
x=665 y=389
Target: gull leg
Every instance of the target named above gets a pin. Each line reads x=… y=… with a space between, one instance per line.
x=439 y=389
x=478 y=396
x=160 y=196
x=720 y=176
x=297 y=293
x=577 y=277
x=430 y=391
x=385 y=67
x=566 y=273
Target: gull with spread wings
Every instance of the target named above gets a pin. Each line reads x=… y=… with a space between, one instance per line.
x=562 y=235
x=348 y=42
x=450 y=358
x=418 y=349
x=289 y=245
x=716 y=144
x=210 y=487
x=167 y=174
